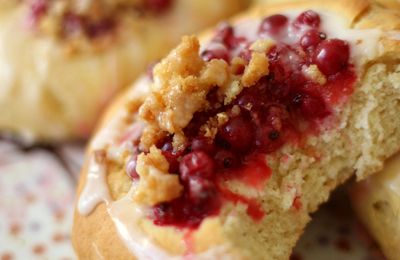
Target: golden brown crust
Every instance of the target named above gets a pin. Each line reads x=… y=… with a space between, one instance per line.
x=357 y=14
x=92 y=240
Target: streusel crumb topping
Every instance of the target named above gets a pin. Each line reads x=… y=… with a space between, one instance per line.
x=156 y=185
x=181 y=84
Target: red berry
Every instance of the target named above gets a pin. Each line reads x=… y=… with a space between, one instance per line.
x=226 y=159
x=310 y=106
x=157 y=6
x=200 y=189
x=37 y=9
x=332 y=56
x=249 y=100
x=219 y=52
x=224 y=33
x=311 y=39
x=196 y=164
x=204 y=144
x=309 y=18
x=268 y=139
x=273 y=25
x=238 y=132
x=173 y=160
x=99 y=28
x=131 y=168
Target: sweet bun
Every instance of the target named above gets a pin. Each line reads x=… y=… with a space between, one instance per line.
x=61 y=61
x=235 y=139
x=395 y=4
x=377 y=203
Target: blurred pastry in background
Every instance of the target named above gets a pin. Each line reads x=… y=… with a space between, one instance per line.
x=245 y=132
x=62 y=61
x=377 y=203
x=395 y=4
x=386 y=3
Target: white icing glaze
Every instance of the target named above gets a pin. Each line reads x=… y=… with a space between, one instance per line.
x=132 y=133
x=95 y=190
x=364 y=43
x=126 y=215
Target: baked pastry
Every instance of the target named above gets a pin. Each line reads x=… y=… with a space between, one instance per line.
x=395 y=4
x=243 y=135
x=376 y=201
x=385 y=3
x=63 y=60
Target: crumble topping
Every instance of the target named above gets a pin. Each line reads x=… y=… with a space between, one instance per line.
x=156 y=185
x=313 y=73
x=232 y=91
x=257 y=68
x=181 y=84
x=262 y=45
x=210 y=129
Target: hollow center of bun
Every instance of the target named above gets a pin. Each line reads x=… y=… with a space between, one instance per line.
x=292 y=78
x=92 y=19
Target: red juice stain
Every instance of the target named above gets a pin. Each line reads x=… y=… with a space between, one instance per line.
x=254 y=208
x=254 y=172
x=297 y=203
x=189 y=244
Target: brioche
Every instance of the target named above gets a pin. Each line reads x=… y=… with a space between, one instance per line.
x=237 y=138
x=62 y=61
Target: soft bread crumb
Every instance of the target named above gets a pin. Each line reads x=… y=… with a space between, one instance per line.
x=257 y=68
x=156 y=185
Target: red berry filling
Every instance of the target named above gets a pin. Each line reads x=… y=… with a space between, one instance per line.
x=332 y=56
x=273 y=25
x=281 y=108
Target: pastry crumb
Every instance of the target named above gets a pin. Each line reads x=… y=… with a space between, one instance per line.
x=313 y=73
x=181 y=84
x=156 y=185
x=262 y=46
x=257 y=68
x=232 y=91
x=210 y=129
